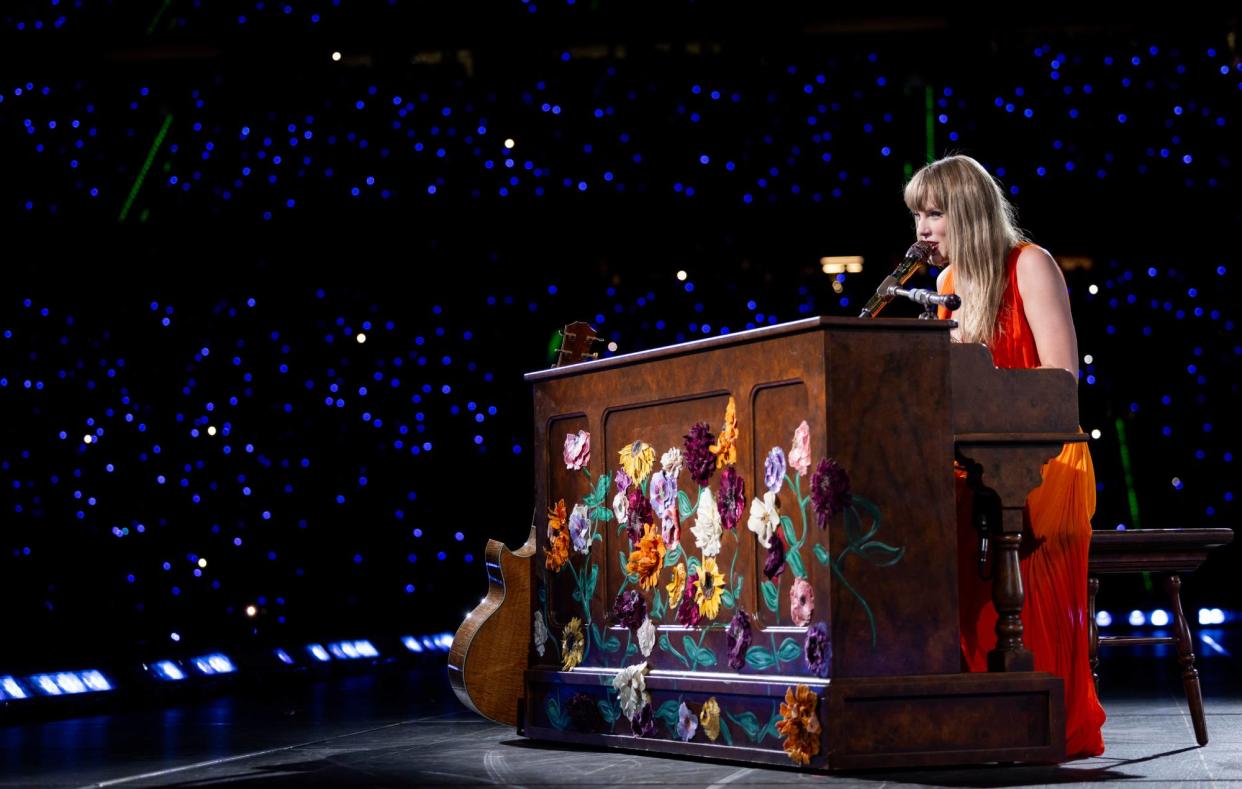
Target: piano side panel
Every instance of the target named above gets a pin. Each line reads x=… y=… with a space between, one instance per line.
x=888 y=426
x=657 y=402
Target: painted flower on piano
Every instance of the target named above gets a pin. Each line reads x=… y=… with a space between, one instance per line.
x=580 y=529
x=678 y=583
x=800 y=724
x=732 y=497
x=687 y=723
x=801 y=602
x=700 y=464
x=584 y=713
x=800 y=452
x=709 y=718
x=540 y=634
x=774 y=469
x=577 y=451
x=671 y=462
x=774 y=564
x=738 y=639
x=664 y=503
x=640 y=513
x=764 y=518
x=648 y=558
x=557 y=550
x=637 y=460
x=643 y=724
x=631 y=686
x=725 y=448
x=629 y=609
x=646 y=637
x=688 y=611
x=573 y=644
x=706 y=528
x=830 y=491
x=711 y=587
x=818 y=649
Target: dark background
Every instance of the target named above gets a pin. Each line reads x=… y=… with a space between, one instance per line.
x=165 y=274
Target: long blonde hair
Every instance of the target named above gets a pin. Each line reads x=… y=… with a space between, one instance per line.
x=982 y=229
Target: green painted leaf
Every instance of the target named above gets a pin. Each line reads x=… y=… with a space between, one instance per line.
x=737 y=587
x=771 y=596
x=602 y=514
x=795 y=564
x=706 y=657
x=556 y=716
x=759 y=658
x=612 y=644
x=624 y=571
x=591 y=581
x=787 y=526
x=749 y=722
x=726 y=598
x=881 y=554
x=821 y=553
x=596 y=497
x=673 y=556
x=609 y=712
x=667 y=646
x=789 y=651
x=724 y=732
x=668 y=712
x=853 y=526
x=692 y=649
x=684 y=507
x=657 y=604
x=632 y=649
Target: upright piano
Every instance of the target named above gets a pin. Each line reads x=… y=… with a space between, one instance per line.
x=848 y=657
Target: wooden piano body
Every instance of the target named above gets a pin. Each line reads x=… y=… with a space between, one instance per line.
x=890 y=401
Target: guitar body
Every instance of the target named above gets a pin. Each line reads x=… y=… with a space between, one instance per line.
x=489 y=655
x=491 y=651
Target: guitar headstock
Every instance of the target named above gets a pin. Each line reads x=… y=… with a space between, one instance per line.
x=576 y=342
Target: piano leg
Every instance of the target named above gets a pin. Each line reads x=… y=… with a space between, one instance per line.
x=1007 y=595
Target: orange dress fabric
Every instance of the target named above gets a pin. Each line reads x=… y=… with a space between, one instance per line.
x=1052 y=558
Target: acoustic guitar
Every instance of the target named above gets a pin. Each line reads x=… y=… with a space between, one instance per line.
x=491 y=649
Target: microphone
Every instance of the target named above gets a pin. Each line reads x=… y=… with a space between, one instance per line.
x=918 y=252
x=929 y=298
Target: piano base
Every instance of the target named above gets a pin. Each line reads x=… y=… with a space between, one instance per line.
x=869 y=722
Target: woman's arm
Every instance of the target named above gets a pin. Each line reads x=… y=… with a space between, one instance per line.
x=1045 y=300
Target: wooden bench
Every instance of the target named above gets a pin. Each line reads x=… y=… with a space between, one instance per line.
x=1167 y=552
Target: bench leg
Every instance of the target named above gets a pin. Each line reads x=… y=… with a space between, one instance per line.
x=1093 y=632
x=1186 y=656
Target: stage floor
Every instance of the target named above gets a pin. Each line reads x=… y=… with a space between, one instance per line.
x=404 y=728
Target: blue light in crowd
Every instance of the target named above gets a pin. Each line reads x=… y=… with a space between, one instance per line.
x=215 y=663
x=46 y=684
x=166 y=669
x=283 y=657
x=1211 y=616
x=1103 y=618
x=11 y=689
x=1137 y=618
x=95 y=680
x=318 y=653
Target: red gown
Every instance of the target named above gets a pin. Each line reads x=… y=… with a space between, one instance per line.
x=1053 y=556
